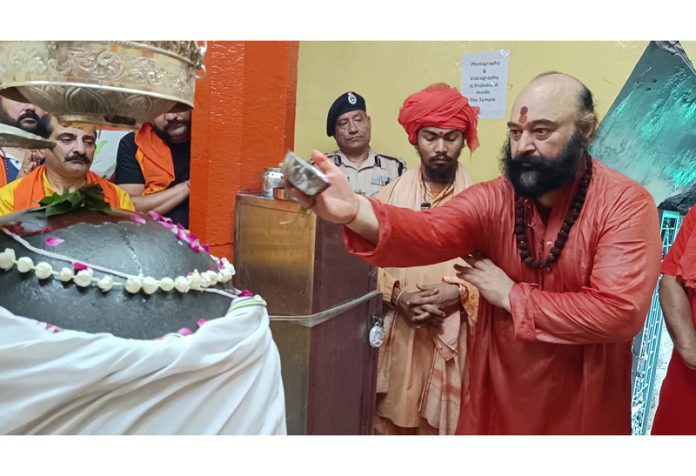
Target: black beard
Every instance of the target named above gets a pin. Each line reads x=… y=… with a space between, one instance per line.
x=441 y=173
x=546 y=174
x=40 y=129
x=164 y=135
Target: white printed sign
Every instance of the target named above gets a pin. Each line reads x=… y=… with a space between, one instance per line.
x=484 y=81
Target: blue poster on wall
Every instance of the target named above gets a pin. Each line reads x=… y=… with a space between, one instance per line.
x=649 y=133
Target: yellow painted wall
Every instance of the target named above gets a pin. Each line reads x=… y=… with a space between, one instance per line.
x=385 y=73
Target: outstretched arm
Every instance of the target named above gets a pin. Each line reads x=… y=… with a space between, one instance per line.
x=338 y=203
x=385 y=235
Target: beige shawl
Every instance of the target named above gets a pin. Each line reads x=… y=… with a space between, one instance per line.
x=420 y=371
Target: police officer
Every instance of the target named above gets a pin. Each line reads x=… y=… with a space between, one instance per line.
x=348 y=123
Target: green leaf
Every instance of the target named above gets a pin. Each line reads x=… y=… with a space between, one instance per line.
x=90 y=197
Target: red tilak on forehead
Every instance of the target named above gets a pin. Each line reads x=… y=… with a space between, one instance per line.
x=523 y=114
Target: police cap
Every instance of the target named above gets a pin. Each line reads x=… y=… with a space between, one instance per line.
x=346 y=102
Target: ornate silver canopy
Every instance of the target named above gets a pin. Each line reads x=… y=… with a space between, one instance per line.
x=118 y=83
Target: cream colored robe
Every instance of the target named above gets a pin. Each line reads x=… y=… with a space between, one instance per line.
x=420 y=371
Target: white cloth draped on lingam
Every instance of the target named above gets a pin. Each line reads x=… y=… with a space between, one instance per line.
x=223 y=379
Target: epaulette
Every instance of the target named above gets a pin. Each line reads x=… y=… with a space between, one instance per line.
x=401 y=162
x=389 y=157
x=336 y=159
x=402 y=168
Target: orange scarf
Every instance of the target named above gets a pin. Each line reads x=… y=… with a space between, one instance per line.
x=3 y=172
x=155 y=159
x=31 y=189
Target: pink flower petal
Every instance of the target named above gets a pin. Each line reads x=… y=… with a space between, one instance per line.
x=246 y=293
x=77 y=266
x=51 y=328
x=206 y=247
x=53 y=241
x=138 y=219
x=154 y=215
x=185 y=331
x=181 y=235
x=200 y=322
x=167 y=225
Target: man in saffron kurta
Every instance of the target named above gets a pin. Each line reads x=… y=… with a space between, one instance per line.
x=552 y=347
x=421 y=362
x=676 y=412
x=66 y=169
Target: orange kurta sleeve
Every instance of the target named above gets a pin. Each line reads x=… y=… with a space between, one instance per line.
x=613 y=307
x=414 y=238
x=670 y=265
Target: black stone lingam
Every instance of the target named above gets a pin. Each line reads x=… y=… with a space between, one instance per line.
x=119 y=241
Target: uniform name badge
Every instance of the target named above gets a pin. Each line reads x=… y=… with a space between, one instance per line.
x=381 y=180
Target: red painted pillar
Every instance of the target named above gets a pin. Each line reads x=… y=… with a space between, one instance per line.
x=243 y=121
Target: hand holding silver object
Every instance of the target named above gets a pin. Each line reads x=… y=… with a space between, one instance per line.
x=304 y=176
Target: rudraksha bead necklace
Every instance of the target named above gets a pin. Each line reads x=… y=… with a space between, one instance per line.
x=521 y=225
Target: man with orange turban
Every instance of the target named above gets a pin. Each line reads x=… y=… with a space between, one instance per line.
x=441 y=106
x=421 y=364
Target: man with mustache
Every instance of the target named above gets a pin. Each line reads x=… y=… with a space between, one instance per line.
x=153 y=166
x=15 y=162
x=421 y=362
x=349 y=124
x=565 y=252
x=66 y=169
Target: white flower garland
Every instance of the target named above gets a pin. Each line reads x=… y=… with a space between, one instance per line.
x=132 y=284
